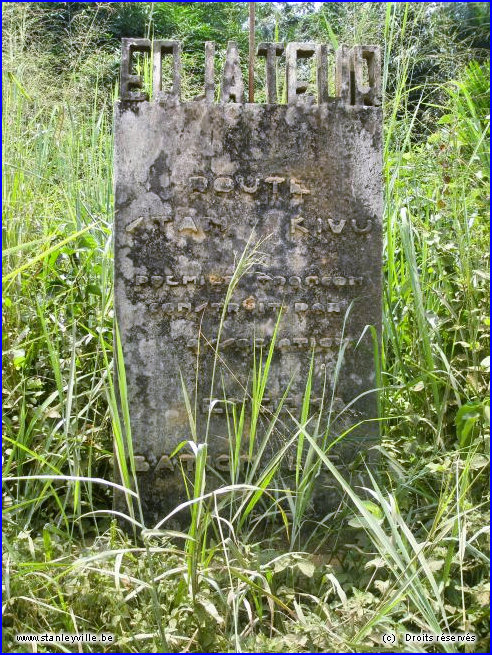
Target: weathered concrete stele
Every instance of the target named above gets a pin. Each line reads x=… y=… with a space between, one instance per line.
x=195 y=182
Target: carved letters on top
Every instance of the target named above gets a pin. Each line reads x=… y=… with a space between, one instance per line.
x=352 y=85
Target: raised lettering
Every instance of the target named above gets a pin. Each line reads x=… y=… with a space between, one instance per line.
x=361 y=230
x=171 y=281
x=209 y=71
x=166 y=463
x=249 y=303
x=187 y=279
x=141 y=464
x=214 y=279
x=295 y=224
x=274 y=181
x=130 y=83
x=137 y=222
x=297 y=189
x=188 y=461
x=187 y=224
x=263 y=277
x=248 y=189
x=336 y=226
x=160 y=48
x=222 y=462
x=270 y=51
x=312 y=280
x=221 y=222
x=198 y=183
x=232 y=78
x=224 y=184
x=293 y=52
x=339 y=281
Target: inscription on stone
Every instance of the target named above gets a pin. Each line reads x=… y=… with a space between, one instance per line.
x=197 y=184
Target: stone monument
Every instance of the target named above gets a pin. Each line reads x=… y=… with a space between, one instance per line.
x=197 y=185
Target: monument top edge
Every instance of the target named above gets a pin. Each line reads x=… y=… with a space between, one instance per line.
x=307 y=104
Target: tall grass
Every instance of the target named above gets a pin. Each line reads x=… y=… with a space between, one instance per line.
x=406 y=553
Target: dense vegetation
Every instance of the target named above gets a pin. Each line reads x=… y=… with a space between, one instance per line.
x=414 y=558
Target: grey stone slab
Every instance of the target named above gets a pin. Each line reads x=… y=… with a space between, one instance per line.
x=194 y=183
